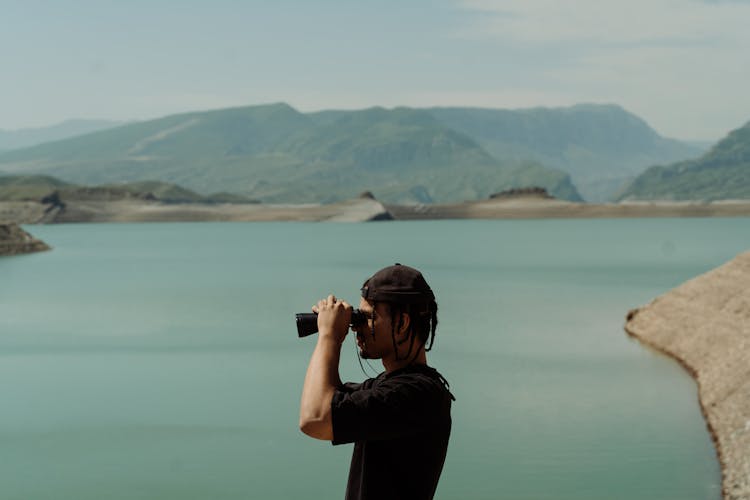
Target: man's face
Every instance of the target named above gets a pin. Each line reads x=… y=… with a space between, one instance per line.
x=382 y=344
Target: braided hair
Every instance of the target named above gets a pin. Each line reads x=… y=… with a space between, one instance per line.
x=422 y=325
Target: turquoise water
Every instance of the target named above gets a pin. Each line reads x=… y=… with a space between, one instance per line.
x=161 y=361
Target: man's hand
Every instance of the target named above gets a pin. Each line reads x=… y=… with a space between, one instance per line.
x=334 y=317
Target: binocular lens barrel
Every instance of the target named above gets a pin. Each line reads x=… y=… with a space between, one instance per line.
x=307 y=323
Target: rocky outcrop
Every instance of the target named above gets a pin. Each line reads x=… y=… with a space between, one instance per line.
x=705 y=325
x=538 y=192
x=14 y=240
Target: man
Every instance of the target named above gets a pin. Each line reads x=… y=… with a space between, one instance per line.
x=399 y=421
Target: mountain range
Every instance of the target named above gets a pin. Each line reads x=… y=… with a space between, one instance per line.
x=602 y=147
x=723 y=173
x=275 y=153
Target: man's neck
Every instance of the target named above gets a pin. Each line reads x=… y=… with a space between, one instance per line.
x=392 y=364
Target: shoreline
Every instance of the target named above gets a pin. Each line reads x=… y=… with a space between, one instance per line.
x=540 y=208
x=704 y=325
x=356 y=210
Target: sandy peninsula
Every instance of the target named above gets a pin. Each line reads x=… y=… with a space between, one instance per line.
x=362 y=209
x=357 y=210
x=705 y=325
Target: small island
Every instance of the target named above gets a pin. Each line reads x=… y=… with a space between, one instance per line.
x=14 y=241
x=704 y=324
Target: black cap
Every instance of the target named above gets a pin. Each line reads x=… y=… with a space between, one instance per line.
x=397 y=283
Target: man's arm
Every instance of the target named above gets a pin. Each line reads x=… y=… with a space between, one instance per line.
x=322 y=378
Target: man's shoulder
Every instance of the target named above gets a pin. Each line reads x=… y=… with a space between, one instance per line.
x=414 y=372
x=417 y=378
x=414 y=380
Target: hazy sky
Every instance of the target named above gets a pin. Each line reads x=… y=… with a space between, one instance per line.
x=682 y=65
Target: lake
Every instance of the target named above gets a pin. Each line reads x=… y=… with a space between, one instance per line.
x=143 y=361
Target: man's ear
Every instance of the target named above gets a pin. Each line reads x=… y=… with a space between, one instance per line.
x=405 y=321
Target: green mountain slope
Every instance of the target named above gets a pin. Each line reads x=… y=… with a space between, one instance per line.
x=28 y=187
x=276 y=154
x=36 y=187
x=600 y=146
x=721 y=174
x=405 y=155
x=23 y=138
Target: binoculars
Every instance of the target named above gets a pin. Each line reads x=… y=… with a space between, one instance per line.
x=307 y=323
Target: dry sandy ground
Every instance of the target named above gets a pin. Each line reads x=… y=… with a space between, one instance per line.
x=530 y=207
x=358 y=210
x=21 y=212
x=705 y=325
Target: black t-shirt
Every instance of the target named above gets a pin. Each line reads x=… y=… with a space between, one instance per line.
x=400 y=423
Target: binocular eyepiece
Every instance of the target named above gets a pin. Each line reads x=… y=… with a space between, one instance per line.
x=307 y=323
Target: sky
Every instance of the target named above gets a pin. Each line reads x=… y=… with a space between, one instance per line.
x=681 y=65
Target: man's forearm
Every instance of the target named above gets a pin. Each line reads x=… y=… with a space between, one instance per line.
x=321 y=381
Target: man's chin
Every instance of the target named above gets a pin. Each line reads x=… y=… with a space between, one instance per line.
x=364 y=353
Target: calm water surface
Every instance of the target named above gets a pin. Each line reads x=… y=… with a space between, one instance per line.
x=161 y=361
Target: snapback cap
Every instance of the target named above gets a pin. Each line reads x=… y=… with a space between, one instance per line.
x=397 y=283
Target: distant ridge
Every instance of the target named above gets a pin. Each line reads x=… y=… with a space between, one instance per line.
x=721 y=174
x=274 y=153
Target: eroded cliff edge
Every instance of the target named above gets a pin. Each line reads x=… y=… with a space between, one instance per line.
x=705 y=325
x=14 y=240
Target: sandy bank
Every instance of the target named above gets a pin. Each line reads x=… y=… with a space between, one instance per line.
x=21 y=212
x=356 y=210
x=14 y=240
x=529 y=207
x=705 y=325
